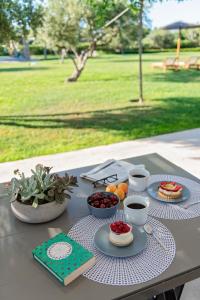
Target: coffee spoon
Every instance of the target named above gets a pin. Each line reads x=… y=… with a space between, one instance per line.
x=149 y=230
x=186 y=206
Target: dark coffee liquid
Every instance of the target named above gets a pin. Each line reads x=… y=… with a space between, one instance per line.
x=136 y=206
x=139 y=176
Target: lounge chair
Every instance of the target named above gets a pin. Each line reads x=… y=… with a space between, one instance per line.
x=170 y=63
x=193 y=63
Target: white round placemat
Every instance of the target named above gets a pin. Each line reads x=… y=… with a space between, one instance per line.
x=148 y=264
x=174 y=211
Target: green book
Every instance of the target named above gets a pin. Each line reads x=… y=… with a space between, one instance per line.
x=63 y=257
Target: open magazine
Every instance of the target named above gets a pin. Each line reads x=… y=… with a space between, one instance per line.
x=111 y=171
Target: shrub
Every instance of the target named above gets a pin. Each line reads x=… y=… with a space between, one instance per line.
x=160 y=39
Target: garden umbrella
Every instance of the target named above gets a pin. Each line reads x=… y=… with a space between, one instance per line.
x=178 y=26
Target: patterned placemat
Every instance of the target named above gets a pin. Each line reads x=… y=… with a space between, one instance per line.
x=174 y=211
x=148 y=264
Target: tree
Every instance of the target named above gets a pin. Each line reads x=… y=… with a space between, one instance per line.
x=6 y=28
x=28 y=16
x=160 y=39
x=123 y=34
x=72 y=22
x=43 y=39
x=191 y=37
x=18 y=19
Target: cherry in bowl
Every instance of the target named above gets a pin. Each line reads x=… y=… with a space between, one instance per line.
x=103 y=204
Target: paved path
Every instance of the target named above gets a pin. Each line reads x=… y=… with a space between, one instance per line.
x=182 y=148
x=10 y=59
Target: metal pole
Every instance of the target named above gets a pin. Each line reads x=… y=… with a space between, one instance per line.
x=116 y=17
x=140 y=36
x=178 y=44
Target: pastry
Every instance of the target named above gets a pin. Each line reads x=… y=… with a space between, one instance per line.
x=120 y=234
x=170 y=190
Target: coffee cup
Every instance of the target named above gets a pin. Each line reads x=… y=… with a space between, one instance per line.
x=138 y=179
x=136 y=209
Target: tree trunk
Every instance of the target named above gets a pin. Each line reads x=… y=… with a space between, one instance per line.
x=26 y=50
x=140 y=36
x=79 y=61
x=12 y=49
x=45 y=52
x=75 y=75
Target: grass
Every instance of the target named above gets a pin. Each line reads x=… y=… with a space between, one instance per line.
x=40 y=114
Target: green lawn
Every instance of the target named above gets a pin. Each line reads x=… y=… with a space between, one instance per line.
x=40 y=114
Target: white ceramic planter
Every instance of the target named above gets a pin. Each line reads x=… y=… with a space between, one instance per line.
x=43 y=213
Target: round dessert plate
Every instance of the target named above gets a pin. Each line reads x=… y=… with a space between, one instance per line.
x=153 y=192
x=102 y=243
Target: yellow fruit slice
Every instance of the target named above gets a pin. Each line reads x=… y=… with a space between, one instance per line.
x=120 y=193
x=111 y=188
x=123 y=186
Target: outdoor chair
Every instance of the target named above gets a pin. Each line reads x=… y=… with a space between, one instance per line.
x=193 y=63
x=170 y=63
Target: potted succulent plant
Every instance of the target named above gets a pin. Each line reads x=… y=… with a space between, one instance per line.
x=41 y=197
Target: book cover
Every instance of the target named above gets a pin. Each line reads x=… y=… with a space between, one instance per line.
x=63 y=257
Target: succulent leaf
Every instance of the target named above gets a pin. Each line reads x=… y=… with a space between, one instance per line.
x=35 y=203
x=41 y=187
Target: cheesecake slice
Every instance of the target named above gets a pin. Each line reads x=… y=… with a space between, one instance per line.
x=120 y=234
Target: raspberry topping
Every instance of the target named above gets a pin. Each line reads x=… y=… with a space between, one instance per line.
x=170 y=186
x=120 y=227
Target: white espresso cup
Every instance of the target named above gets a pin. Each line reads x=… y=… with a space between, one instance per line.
x=134 y=215
x=139 y=184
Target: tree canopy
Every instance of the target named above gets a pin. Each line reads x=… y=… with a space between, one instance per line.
x=71 y=22
x=27 y=15
x=6 y=28
x=18 y=19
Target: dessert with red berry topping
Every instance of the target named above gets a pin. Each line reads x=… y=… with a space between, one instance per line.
x=170 y=190
x=120 y=234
